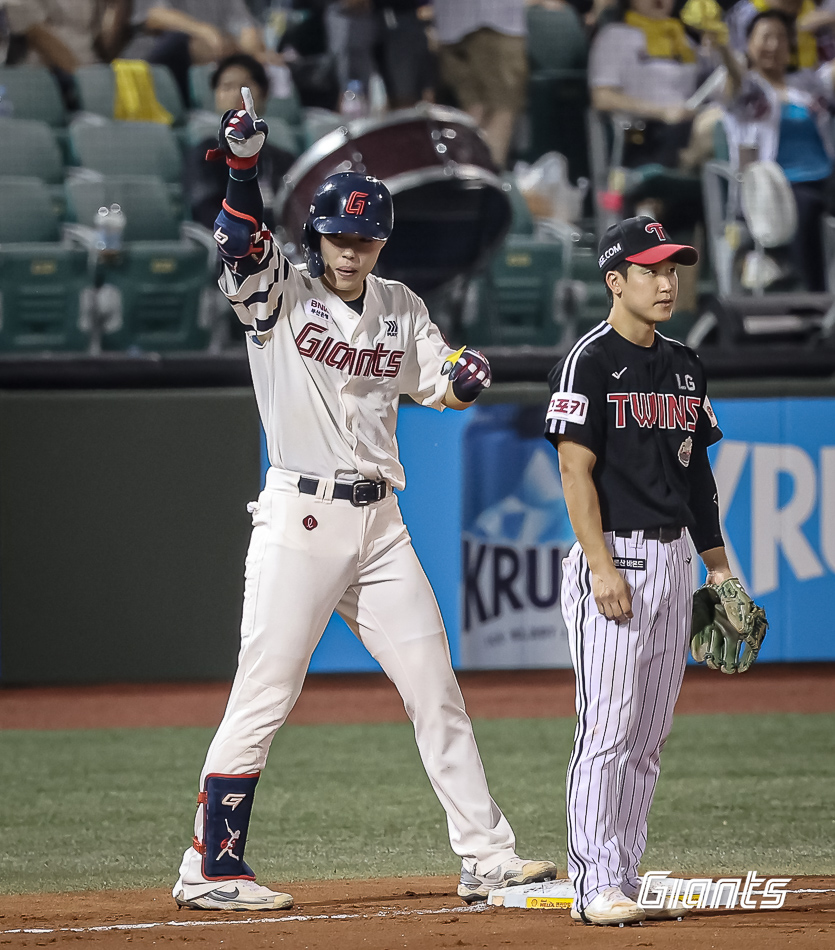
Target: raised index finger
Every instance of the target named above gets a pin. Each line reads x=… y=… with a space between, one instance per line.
x=249 y=105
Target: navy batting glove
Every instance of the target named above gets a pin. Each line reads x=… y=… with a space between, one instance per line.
x=241 y=136
x=470 y=375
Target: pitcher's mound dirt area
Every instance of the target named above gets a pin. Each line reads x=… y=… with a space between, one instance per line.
x=389 y=914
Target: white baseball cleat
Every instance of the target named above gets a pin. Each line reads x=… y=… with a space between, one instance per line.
x=609 y=908
x=679 y=908
x=236 y=895
x=476 y=887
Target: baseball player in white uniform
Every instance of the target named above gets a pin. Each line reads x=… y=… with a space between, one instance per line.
x=631 y=420
x=332 y=348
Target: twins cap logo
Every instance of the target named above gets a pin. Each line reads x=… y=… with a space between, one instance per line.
x=655 y=228
x=356 y=202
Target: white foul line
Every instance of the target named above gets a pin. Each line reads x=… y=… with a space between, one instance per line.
x=475 y=908
x=297 y=918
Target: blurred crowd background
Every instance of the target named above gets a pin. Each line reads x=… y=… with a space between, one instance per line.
x=714 y=116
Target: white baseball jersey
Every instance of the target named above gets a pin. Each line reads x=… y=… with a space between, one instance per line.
x=340 y=373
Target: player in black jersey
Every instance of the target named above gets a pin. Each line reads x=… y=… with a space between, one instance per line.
x=631 y=420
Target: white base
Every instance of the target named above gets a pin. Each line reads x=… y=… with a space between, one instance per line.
x=553 y=895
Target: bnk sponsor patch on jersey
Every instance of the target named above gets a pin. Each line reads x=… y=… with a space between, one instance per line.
x=315 y=308
x=568 y=407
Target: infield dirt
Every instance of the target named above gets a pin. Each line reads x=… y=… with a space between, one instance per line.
x=389 y=914
x=385 y=914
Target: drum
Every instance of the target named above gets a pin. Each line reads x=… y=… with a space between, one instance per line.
x=451 y=209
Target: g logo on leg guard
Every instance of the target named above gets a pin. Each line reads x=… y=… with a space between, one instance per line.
x=227 y=806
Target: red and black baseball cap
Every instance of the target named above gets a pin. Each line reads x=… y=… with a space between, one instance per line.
x=640 y=240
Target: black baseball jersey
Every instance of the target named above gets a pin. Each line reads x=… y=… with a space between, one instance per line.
x=644 y=412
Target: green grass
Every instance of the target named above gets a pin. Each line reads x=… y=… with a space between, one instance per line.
x=113 y=808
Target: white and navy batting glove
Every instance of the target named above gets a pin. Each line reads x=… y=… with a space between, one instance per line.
x=469 y=373
x=241 y=136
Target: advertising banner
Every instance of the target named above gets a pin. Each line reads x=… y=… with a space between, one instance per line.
x=775 y=471
x=484 y=506
x=515 y=533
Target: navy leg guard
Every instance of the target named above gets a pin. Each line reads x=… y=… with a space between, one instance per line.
x=227 y=805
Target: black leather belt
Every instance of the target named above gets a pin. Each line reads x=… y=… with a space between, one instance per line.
x=361 y=493
x=664 y=534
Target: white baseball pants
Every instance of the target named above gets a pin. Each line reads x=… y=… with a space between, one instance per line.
x=361 y=563
x=628 y=678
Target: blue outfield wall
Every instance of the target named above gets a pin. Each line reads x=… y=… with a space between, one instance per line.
x=483 y=485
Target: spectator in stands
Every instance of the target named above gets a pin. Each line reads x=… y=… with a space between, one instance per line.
x=483 y=60
x=815 y=43
x=786 y=117
x=404 y=50
x=66 y=34
x=205 y=182
x=647 y=67
x=178 y=33
x=385 y=36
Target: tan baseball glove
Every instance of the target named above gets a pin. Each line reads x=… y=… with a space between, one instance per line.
x=728 y=627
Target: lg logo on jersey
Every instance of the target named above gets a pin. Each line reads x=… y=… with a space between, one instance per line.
x=688 y=383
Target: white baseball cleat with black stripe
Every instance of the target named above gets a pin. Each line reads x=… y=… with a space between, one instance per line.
x=610 y=908
x=511 y=873
x=236 y=895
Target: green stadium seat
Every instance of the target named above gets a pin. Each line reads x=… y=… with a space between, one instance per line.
x=154 y=294
x=289 y=109
x=199 y=80
x=557 y=86
x=522 y=221
x=97 y=91
x=587 y=302
x=28 y=148
x=149 y=213
x=34 y=93
x=46 y=290
x=318 y=123
x=203 y=125
x=513 y=303
x=127 y=148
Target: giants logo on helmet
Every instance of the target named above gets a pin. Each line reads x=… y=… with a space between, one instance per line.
x=377 y=362
x=656 y=229
x=664 y=410
x=356 y=202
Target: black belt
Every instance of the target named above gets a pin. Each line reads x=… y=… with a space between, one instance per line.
x=664 y=534
x=361 y=493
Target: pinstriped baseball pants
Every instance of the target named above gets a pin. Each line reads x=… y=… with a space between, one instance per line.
x=628 y=678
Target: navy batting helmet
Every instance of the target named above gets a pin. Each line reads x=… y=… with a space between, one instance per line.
x=346 y=203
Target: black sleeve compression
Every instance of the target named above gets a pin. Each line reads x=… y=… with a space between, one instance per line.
x=243 y=194
x=704 y=503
